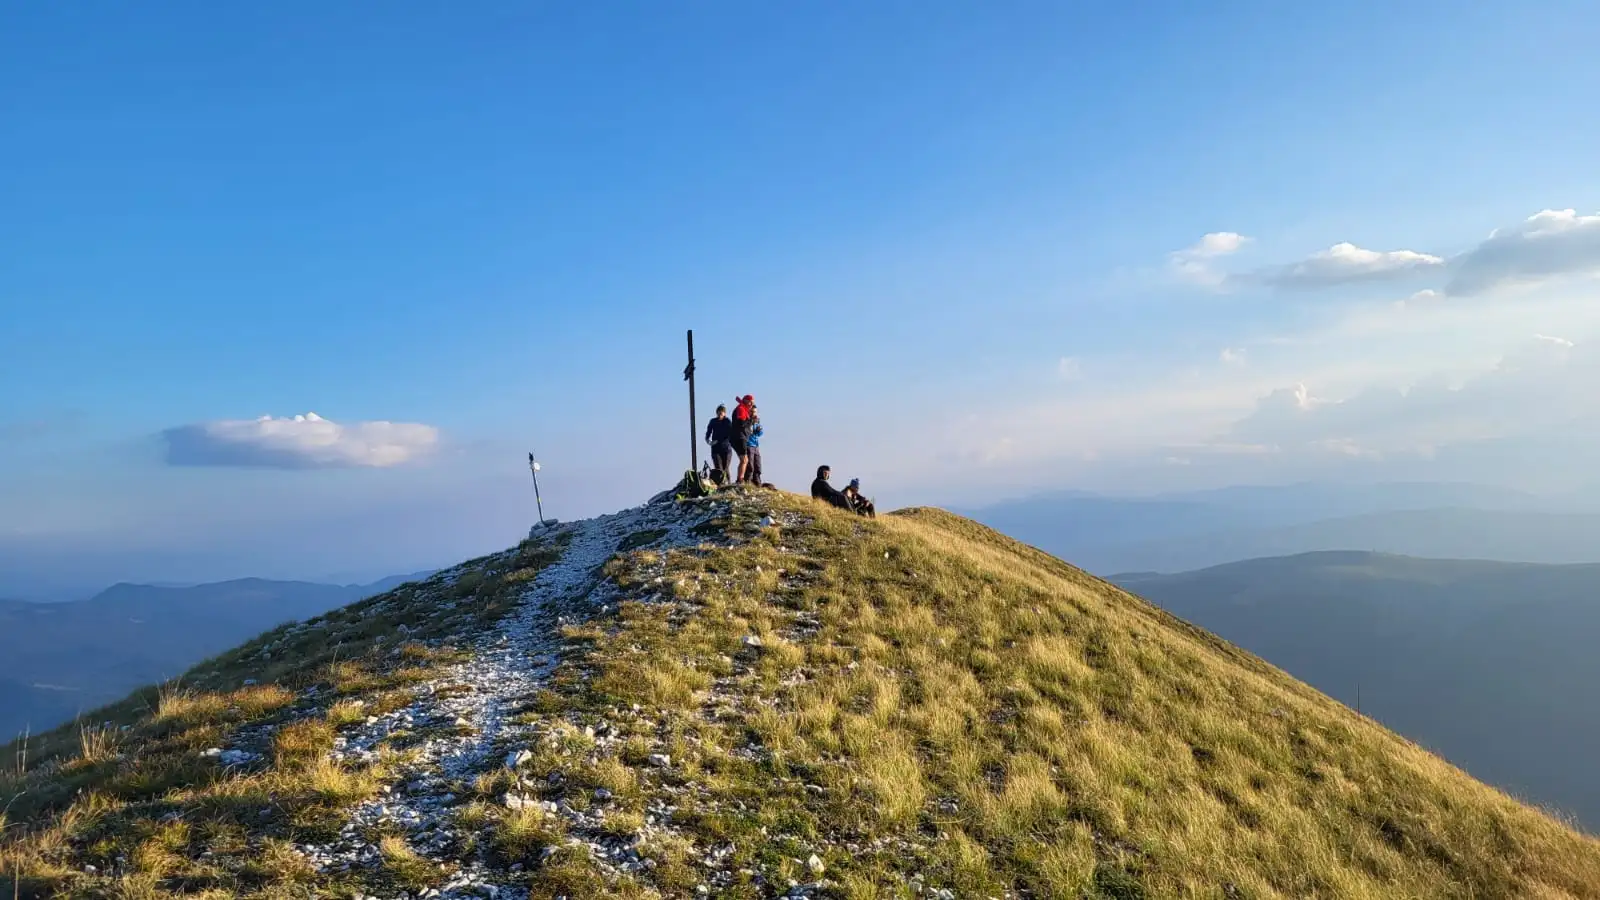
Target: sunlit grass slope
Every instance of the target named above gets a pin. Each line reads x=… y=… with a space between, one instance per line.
x=908 y=706
x=126 y=803
x=984 y=716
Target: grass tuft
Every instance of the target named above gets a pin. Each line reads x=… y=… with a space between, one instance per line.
x=404 y=869
x=523 y=833
x=301 y=744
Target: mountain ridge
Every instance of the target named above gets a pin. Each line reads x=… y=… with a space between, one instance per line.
x=1485 y=662
x=754 y=696
x=96 y=649
x=1171 y=539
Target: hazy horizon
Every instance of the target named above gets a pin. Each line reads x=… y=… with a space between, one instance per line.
x=81 y=571
x=294 y=292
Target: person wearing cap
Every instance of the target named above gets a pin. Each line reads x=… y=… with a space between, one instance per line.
x=822 y=490
x=852 y=493
x=719 y=434
x=743 y=421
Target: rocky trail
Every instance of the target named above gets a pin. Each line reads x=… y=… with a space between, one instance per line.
x=467 y=713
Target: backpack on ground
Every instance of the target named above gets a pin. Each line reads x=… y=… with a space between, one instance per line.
x=692 y=486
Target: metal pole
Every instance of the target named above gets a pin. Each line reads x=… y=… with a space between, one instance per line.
x=694 y=419
x=533 y=466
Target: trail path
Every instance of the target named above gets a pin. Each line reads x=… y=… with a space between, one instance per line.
x=477 y=698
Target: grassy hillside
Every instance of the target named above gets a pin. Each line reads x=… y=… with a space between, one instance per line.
x=824 y=707
x=1491 y=664
x=67 y=658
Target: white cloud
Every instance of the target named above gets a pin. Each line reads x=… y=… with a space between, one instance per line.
x=1421 y=388
x=1344 y=447
x=1345 y=263
x=1218 y=243
x=1438 y=399
x=1531 y=392
x=301 y=442
x=1281 y=412
x=1193 y=263
x=1550 y=244
x=1546 y=245
x=1231 y=356
x=1422 y=299
x=1069 y=369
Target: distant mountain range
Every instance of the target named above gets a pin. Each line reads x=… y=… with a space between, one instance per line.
x=1180 y=532
x=60 y=659
x=1492 y=665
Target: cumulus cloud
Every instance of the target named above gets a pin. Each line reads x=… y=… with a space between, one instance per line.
x=301 y=442
x=1550 y=244
x=1545 y=245
x=1533 y=390
x=1231 y=356
x=1193 y=263
x=1278 y=414
x=1069 y=369
x=1345 y=263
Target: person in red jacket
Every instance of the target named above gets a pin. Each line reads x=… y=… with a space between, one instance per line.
x=744 y=419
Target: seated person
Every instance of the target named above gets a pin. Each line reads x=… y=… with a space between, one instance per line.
x=860 y=504
x=822 y=490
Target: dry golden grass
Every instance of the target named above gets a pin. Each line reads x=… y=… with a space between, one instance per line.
x=138 y=797
x=404 y=869
x=347 y=712
x=1059 y=736
x=521 y=834
x=97 y=744
x=298 y=745
x=927 y=699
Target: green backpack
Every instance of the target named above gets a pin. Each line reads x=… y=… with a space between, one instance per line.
x=692 y=486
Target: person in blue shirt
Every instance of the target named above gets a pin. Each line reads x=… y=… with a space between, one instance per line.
x=753 y=461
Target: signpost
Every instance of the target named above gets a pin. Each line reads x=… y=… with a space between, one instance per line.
x=533 y=466
x=694 y=420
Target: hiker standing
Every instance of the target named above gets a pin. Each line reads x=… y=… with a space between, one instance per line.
x=743 y=421
x=754 y=469
x=719 y=434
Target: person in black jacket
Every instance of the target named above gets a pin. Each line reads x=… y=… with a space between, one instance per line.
x=719 y=434
x=822 y=490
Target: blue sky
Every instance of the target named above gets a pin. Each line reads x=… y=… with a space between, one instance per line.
x=935 y=240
